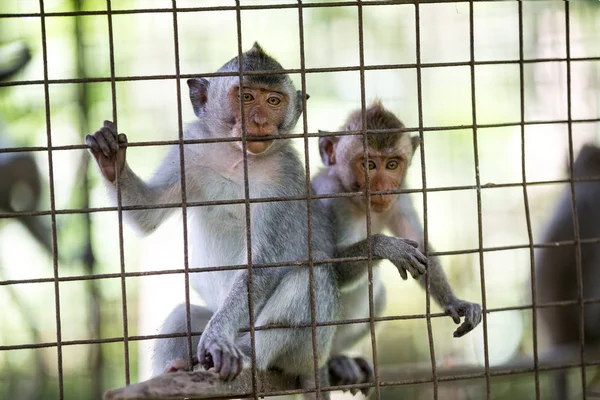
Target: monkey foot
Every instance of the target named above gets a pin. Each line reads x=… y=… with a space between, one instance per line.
x=350 y=371
x=180 y=364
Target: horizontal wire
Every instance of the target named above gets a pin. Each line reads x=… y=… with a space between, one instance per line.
x=308 y=70
x=563 y=303
x=241 y=7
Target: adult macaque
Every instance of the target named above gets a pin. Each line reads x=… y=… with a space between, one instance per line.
x=389 y=155
x=556 y=267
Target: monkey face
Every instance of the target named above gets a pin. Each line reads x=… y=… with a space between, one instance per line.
x=385 y=173
x=265 y=110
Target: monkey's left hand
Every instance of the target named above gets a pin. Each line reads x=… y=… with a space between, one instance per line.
x=220 y=351
x=459 y=308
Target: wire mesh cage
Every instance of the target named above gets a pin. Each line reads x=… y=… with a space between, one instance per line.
x=502 y=96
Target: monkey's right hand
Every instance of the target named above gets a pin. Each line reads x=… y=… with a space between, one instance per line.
x=403 y=253
x=221 y=353
x=105 y=146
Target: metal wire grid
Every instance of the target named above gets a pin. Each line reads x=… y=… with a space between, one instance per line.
x=421 y=129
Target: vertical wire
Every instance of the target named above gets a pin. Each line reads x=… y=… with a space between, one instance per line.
x=526 y=205
x=238 y=15
x=311 y=266
x=425 y=216
x=94 y=318
x=479 y=214
x=186 y=273
x=119 y=200
x=574 y=206
x=52 y=204
x=364 y=131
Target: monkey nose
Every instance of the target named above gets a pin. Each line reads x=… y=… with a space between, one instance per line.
x=260 y=120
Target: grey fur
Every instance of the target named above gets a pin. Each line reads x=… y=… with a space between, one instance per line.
x=349 y=223
x=217 y=236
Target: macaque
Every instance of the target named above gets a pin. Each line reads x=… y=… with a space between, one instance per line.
x=556 y=268
x=218 y=235
x=389 y=155
x=20 y=183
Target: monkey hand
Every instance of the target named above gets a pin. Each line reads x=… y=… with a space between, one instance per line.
x=470 y=311
x=219 y=351
x=350 y=371
x=105 y=146
x=403 y=253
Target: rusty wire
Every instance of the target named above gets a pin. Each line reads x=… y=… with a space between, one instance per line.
x=435 y=379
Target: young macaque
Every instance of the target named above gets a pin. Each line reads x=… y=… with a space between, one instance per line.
x=218 y=233
x=389 y=155
x=556 y=267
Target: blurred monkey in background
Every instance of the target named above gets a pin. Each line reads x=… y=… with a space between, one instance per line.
x=556 y=267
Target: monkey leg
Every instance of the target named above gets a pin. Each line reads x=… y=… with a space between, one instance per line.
x=171 y=354
x=346 y=370
x=290 y=350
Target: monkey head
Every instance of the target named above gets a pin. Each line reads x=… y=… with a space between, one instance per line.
x=389 y=154
x=271 y=104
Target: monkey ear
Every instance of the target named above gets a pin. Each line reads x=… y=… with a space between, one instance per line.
x=327 y=148
x=299 y=96
x=415 y=141
x=198 y=94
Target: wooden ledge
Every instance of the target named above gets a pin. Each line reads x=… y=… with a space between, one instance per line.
x=200 y=384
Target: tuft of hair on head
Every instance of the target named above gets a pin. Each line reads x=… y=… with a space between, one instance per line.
x=256 y=49
x=377 y=118
x=256 y=59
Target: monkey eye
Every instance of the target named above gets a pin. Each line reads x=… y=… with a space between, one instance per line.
x=392 y=165
x=248 y=97
x=370 y=165
x=273 y=101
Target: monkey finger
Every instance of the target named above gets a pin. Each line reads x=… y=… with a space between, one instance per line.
x=411 y=242
x=205 y=358
x=418 y=265
x=422 y=259
x=103 y=144
x=110 y=140
x=92 y=144
x=240 y=364
x=217 y=357
x=462 y=330
x=402 y=272
x=452 y=313
x=111 y=127
x=122 y=138
x=226 y=372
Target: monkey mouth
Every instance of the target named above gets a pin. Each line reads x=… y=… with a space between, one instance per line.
x=381 y=202
x=254 y=137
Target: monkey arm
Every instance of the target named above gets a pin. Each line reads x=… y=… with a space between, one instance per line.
x=217 y=347
x=401 y=252
x=163 y=188
x=406 y=223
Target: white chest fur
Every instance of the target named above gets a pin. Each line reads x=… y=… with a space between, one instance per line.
x=217 y=233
